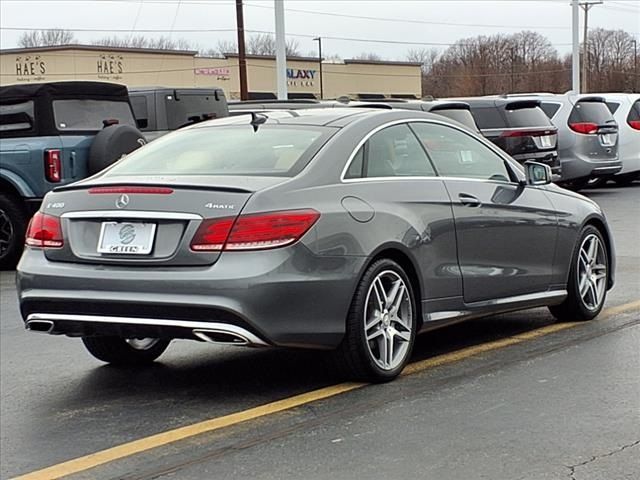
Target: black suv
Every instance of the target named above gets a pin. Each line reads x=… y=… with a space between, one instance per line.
x=159 y=110
x=519 y=127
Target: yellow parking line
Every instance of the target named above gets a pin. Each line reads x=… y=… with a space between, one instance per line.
x=137 y=446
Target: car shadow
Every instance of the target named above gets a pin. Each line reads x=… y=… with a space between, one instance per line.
x=241 y=377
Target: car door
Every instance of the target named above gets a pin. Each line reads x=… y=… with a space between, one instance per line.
x=505 y=231
x=410 y=206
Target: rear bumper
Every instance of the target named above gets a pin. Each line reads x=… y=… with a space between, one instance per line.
x=576 y=167
x=284 y=297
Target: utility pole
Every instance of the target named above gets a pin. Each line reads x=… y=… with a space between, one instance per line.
x=242 y=58
x=319 y=40
x=586 y=6
x=281 y=51
x=635 y=65
x=513 y=56
x=575 y=55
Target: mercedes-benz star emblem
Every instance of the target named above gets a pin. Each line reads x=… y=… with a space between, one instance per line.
x=122 y=201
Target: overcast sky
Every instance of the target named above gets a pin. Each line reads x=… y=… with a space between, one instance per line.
x=399 y=21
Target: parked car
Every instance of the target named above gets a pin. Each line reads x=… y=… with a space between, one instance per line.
x=587 y=136
x=519 y=127
x=344 y=229
x=159 y=110
x=452 y=109
x=53 y=134
x=625 y=108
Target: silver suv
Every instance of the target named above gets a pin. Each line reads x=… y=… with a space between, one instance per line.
x=625 y=108
x=587 y=136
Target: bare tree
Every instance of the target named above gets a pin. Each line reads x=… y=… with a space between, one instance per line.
x=425 y=56
x=372 y=56
x=140 y=41
x=46 y=38
x=265 y=44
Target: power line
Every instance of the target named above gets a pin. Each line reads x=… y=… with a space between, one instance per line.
x=406 y=20
x=302 y=35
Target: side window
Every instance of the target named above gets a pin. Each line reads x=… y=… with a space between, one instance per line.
x=139 y=106
x=395 y=151
x=16 y=117
x=550 y=109
x=355 y=168
x=456 y=154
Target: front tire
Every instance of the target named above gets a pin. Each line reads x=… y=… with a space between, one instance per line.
x=125 y=351
x=588 y=277
x=381 y=325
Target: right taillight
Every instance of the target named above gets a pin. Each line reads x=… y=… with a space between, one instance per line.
x=635 y=124
x=254 y=232
x=584 y=127
x=44 y=231
x=53 y=166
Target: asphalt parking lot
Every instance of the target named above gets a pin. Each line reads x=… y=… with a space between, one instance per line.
x=513 y=396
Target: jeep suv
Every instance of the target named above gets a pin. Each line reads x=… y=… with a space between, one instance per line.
x=159 y=110
x=52 y=134
x=519 y=127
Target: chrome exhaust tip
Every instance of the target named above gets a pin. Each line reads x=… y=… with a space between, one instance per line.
x=221 y=337
x=40 y=326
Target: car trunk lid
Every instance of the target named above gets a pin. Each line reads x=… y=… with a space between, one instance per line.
x=146 y=222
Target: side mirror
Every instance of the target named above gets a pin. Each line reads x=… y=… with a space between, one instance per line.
x=537 y=173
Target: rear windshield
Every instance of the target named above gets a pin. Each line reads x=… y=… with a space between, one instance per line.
x=186 y=109
x=488 y=117
x=229 y=150
x=17 y=117
x=459 y=115
x=594 y=112
x=526 y=117
x=634 y=113
x=88 y=115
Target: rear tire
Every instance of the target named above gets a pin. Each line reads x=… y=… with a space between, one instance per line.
x=588 y=277
x=125 y=352
x=13 y=225
x=381 y=325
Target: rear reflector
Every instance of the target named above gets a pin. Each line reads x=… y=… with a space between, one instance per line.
x=44 y=231
x=527 y=133
x=635 y=124
x=584 y=127
x=52 y=166
x=254 y=232
x=140 y=190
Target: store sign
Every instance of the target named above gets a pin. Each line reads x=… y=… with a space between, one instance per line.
x=30 y=68
x=110 y=67
x=221 y=73
x=300 y=77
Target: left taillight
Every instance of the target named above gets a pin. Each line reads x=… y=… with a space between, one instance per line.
x=53 y=166
x=257 y=231
x=44 y=231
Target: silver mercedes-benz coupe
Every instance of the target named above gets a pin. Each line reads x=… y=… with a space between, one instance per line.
x=343 y=229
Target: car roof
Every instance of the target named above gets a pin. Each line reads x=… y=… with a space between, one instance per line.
x=73 y=89
x=497 y=101
x=333 y=117
x=171 y=89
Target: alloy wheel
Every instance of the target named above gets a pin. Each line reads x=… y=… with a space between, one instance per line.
x=592 y=272
x=388 y=320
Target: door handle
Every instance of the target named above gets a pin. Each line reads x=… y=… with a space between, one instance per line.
x=469 y=200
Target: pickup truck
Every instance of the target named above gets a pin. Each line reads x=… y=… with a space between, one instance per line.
x=52 y=134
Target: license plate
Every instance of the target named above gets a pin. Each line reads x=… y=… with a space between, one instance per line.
x=606 y=139
x=126 y=238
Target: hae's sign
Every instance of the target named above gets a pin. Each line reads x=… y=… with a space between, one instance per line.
x=110 y=67
x=300 y=77
x=30 y=68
